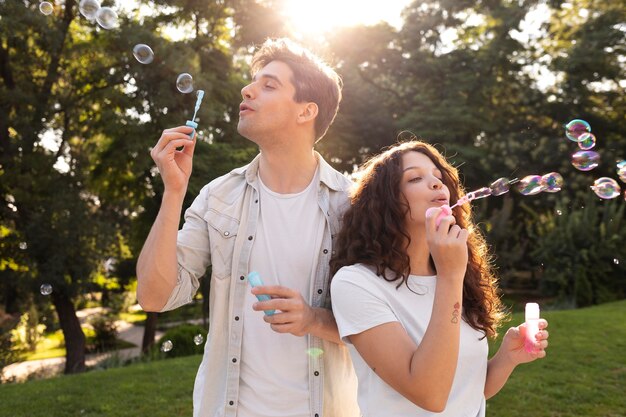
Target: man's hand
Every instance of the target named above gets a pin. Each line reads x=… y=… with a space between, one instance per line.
x=296 y=316
x=175 y=165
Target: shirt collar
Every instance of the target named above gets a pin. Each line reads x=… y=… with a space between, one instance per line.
x=328 y=175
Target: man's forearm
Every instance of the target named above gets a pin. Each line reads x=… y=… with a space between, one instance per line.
x=157 y=263
x=325 y=326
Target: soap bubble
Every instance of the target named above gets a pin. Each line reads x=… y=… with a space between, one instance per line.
x=559 y=212
x=89 y=8
x=198 y=339
x=499 y=186
x=46 y=7
x=575 y=128
x=167 y=346
x=184 y=83
x=587 y=141
x=143 y=53
x=606 y=188
x=45 y=289
x=314 y=352
x=106 y=17
x=621 y=170
x=585 y=160
x=530 y=185
x=616 y=261
x=480 y=193
x=552 y=182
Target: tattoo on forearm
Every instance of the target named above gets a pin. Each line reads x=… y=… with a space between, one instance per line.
x=455 y=313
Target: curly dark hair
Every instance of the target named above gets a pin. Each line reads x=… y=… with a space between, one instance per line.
x=374 y=233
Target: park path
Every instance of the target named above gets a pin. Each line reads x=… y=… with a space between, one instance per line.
x=44 y=368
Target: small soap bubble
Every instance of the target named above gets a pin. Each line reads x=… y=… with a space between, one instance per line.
x=198 y=339
x=167 y=346
x=559 y=212
x=585 y=160
x=23 y=245
x=530 y=185
x=315 y=352
x=621 y=170
x=552 y=182
x=587 y=141
x=143 y=53
x=616 y=261
x=606 y=188
x=106 y=17
x=45 y=289
x=46 y=7
x=480 y=193
x=89 y=8
x=499 y=186
x=184 y=83
x=575 y=128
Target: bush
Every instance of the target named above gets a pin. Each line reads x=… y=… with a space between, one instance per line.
x=105 y=333
x=182 y=338
x=583 y=253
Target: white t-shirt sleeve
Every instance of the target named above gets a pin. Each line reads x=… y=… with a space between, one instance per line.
x=358 y=304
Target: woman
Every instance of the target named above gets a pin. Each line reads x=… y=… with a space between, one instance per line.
x=416 y=301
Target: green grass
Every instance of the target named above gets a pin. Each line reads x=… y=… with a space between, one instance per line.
x=584 y=375
x=161 y=388
x=52 y=345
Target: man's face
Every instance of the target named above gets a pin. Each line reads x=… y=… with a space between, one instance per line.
x=268 y=109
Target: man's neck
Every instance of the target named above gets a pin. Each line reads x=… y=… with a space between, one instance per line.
x=287 y=170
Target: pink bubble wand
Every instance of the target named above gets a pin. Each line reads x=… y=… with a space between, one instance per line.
x=498 y=187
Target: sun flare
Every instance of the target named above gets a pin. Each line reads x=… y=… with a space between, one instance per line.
x=316 y=17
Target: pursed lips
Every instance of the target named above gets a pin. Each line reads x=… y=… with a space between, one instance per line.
x=244 y=107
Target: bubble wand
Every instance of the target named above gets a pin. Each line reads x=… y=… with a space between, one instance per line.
x=498 y=187
x=191 y=122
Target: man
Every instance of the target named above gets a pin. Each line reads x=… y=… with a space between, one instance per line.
x=275 y=216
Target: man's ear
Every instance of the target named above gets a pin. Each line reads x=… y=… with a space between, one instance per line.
x=308 y=113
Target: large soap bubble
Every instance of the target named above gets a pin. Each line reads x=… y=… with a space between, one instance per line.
x=184 y=83
x=606 y=188
x=575 y=128
x=106 y=17
x=585 y=160
x=89 y=8
x=143 y=53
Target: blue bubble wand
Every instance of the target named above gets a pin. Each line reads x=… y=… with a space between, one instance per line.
x=191 y=122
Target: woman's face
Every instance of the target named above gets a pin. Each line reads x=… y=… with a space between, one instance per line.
x=422 y=186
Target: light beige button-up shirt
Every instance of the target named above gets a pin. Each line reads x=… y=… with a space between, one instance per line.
x=219 y=229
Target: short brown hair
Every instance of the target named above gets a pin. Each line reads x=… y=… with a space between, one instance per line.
x=314 y=80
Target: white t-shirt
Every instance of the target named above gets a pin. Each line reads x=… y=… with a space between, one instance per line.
x=362 y=300
x=285 y=252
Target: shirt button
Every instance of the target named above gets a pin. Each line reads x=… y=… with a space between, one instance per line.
x=234 y=360
x=334 y=252
x=242 y=277
x=316 y=373
x=226 y=233
x=325 y=250
x=249 y=237
x=319 y=291
x=231 y=403
x=236 y=318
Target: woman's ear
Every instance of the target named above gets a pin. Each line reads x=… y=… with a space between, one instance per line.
x=308 y=113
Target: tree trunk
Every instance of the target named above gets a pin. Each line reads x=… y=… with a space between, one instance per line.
x=73 y=334
x=149 y=332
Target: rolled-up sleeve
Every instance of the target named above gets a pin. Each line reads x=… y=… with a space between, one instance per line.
x=193 y=252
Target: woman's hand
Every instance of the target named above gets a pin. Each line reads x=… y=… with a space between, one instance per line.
x=513 y=344
x=447 y=243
